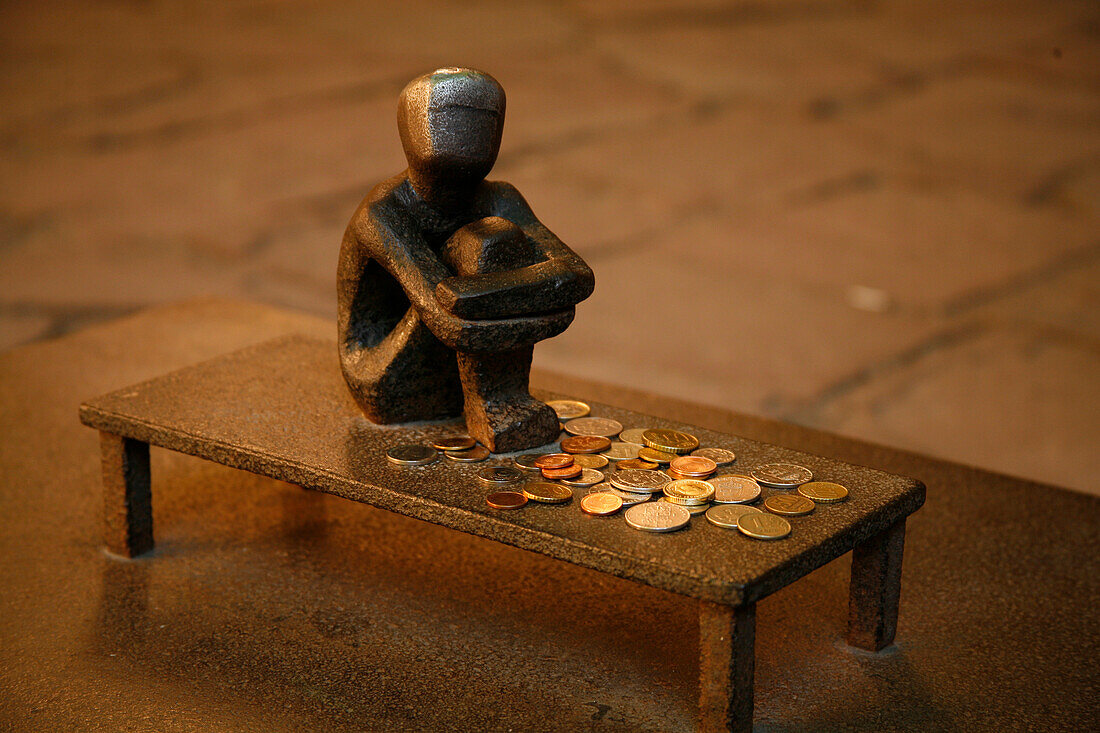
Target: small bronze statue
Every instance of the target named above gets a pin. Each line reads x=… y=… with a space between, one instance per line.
x=446 y=281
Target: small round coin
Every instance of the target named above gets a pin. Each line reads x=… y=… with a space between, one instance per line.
x=569 y=409
x=632 y=435
x=553 y=460
x=547 y=493
x=782 y=475
x=734 y=489
x=726 y=515
x=588 y=477
x=506 y=500
x=693 y=465
x=720 y=456
x=475 y=454
x=527 y=461
x=601 y=503
x=763 y=526
x=601 y=426
x=789 y=505
x=454 y=442
x=619 y=451
x=670 y=441
x=587 y=460
x=657 y=516
x=693 y=509
x=585 y=444
x=411 y=455
x=639 y=481
x=688 y=491
x=500 y=474
x=656 y=456
x=629 y=497
x=555 y=474
x=823 y=492
x=636 y=463
x=677 y=476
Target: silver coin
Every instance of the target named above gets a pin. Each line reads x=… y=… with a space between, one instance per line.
x=589 y=460
x=693 y=509
x=640 y=480
x=500 y=474
x=411 y=455
x=619 y=451
x=527 y=461
x=475 y=454
x=588 y=477
x=657 y=516
x=599 y=426
x=569 y=409
x=782 y=475
x=629 y=497
x=721 y=456
x=633 y=435
x=734 y=489
x=726 y=515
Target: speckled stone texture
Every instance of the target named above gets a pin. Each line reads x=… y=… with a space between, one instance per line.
x=279 y=409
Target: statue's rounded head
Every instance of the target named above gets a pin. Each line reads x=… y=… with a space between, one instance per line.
x=451 y=121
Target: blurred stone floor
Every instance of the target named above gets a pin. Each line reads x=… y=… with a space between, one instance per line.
x=876 y=218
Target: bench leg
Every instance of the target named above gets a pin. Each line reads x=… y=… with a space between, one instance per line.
x=727 y=640
x=876 y=589
x=127 y=495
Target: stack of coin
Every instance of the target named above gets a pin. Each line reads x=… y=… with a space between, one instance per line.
x=557 y=466
x=691 y=467
x=692 y=494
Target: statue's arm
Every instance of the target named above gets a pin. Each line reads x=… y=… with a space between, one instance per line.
x=562 y=281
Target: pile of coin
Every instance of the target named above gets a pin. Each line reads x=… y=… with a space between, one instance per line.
x=641 y=464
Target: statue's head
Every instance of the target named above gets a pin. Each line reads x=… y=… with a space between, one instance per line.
x=451 y=121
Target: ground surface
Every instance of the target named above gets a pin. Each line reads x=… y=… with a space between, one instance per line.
x=878 y=218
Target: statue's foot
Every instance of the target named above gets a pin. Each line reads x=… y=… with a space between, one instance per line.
x=518 y=423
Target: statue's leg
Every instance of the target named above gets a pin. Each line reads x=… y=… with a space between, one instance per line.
x=501 y=414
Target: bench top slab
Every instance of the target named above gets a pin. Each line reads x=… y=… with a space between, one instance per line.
x=281 y=409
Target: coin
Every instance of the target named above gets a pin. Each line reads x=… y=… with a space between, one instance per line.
x=506 y=500
x=411 y=455
x=693 y=465
x=587 y=460
x=585 y=444
x=454 y=442
x=823 y=492
x=655 y=456
x=601 y=503
x=562 y=473
x=500 y=474
x=763 y=526
x=527 y=461
x=633 y=435
x=656 y=516
x=588 y=477
x=670 y=441
x=688 y=491
x=629 y=497
x=734 y=489
x=618 y=451
x=726 y=515
x=677 y=476
x=636 y=463
x=790 y=505
x=782 y=475
x=601 y=426
x=639 y=481
x=547 y=493
x=693 y=509
x=569 y=409
x=720 y=456
x=553 y=460
x=475 y=454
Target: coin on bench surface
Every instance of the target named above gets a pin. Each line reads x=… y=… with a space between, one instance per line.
x=654 y=516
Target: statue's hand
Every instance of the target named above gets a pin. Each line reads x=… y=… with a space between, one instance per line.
x=500 y=334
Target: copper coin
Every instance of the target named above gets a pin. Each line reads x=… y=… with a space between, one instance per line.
x=585 y=444
x=636 y=463
x=553 y=460
x=693 y=465
x=566 y=472
x=477 y=453
x=601 y=503
x=677 y=476
x=506 y=500
x=454 y=442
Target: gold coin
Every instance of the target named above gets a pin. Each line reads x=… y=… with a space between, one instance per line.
x=726 y=515
x=693 y=509
x=454 y=442
x=506 y=500
x=763 y=526
x=687 y=491
x=477 y=453
x=587 y=460
x=693 y=465
x=547 y=493
x=632 y=435
x=636 y=463
x=601 y=503
x=670 y=441
x=656 y=456
x=569 y=409
x=823 y=492
x=789 y=505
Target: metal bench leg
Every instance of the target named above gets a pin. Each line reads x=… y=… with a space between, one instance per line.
x=127 y=495
x=727 y=640
x=875 y=589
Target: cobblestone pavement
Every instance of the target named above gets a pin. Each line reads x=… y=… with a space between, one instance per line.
x=878 y=218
